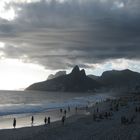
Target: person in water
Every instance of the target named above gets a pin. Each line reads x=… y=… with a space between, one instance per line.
x=14 y=122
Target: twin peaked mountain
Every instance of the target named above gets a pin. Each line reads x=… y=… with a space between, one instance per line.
x=77 y=81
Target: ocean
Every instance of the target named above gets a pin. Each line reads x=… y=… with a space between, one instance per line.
x=23 y=104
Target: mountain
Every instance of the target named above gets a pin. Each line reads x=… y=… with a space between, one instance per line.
x=59 y=73
x=124 y=78
x=76 y=81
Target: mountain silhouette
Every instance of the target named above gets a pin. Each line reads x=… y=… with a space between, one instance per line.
x=119 y=79
x=76 y=81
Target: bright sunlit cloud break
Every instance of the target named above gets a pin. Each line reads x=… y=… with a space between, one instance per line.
x=14 y=74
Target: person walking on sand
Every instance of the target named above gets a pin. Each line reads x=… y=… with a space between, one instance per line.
x=45 y=120
x=14 y=122
x=63 y=120
x=32 y=120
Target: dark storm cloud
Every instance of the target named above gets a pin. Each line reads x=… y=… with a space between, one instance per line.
x=60 y=35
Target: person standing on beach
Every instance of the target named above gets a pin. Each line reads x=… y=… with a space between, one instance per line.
x=65 y=112
x=136 y=109
x=32 y=120
x=14 y=122
x=45 y=120
x=49 y=120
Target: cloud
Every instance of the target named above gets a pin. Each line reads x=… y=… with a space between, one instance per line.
x=62 y=34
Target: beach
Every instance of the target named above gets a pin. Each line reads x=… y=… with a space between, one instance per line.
x=22 y=105
x=82 y=126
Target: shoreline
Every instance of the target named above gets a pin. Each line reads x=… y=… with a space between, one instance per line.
x=24 y=120
x=82 y=126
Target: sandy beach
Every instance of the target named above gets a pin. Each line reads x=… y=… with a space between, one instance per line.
x=82 y=126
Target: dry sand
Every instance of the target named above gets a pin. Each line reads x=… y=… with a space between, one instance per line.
x=82 y=127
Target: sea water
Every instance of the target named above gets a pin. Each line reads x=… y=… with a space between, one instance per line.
x=23 y=104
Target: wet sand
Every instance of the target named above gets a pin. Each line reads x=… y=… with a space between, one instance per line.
x=83 y=127
x=6 y=122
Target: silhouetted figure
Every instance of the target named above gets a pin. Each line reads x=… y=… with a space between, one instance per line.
x=111 y=109
x=136 y=109
x=14 y=122
x=124 y=120
x=97 y=109
x=61 y=110
x=69 y=108
x=45 y=120
x=32 y=120
x=86 y=108
x=49 y=120
x=106 y=115
x=63 y=119
x=76 y=109
x=65 y=112
x=139 y=109
x=132 y=119
x=121 y=120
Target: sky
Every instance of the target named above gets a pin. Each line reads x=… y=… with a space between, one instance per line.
x=40 y=37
